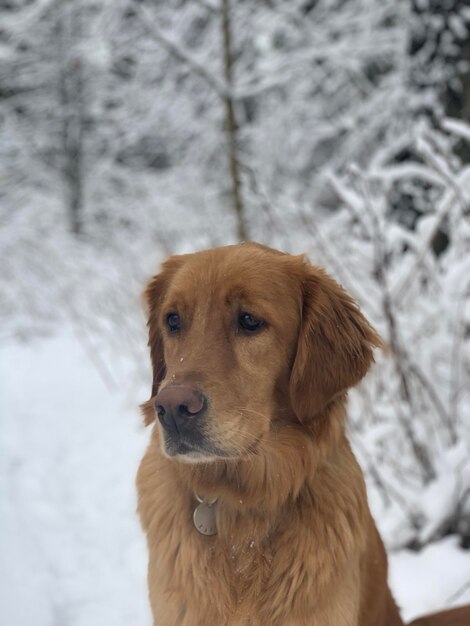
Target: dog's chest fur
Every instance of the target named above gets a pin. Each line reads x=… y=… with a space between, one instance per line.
x=252 y=569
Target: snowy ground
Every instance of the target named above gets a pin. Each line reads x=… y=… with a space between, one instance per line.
x=72 y=553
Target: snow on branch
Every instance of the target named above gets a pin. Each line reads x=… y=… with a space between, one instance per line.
x=179 y=52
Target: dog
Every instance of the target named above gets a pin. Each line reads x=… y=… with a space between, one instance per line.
x=253 y=504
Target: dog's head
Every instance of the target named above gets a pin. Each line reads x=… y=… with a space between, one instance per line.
x=244 y=337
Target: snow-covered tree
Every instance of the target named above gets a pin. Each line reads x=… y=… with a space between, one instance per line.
x=132 y=129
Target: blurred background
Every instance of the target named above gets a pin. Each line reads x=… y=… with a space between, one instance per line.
x=134 y=129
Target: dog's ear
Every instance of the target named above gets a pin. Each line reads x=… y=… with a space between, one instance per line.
x=153 y=297
x=335 y=344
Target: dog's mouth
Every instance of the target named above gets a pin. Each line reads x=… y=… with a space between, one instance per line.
x=197 y=444
x=192 y=449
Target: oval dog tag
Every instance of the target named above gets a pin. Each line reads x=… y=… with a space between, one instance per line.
x=204 y=519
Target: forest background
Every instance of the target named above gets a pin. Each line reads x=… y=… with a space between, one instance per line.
x=134 y=129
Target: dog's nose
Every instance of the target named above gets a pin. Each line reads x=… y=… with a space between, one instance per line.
x=176 y=405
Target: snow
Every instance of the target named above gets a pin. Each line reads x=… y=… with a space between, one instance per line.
x=460 y=129
x=432 y=579
x=72 y=553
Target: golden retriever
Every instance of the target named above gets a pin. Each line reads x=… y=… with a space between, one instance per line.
x=253 y=503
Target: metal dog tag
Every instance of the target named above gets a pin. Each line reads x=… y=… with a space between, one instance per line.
x=204 y=519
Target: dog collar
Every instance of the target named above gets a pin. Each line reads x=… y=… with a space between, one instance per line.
x=204 y=516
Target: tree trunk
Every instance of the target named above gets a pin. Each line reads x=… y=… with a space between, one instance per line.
x=232 y=128
x=71 y=88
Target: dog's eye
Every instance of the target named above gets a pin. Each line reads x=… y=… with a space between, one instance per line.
x=173 y=322
x=249 y=322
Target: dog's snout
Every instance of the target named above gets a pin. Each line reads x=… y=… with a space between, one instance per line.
x=175 y=405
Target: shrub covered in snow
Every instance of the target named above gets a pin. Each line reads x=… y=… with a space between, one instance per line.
x=410 y=420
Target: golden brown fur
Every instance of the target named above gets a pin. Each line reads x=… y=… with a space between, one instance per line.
x=454 y=617
x=296 y=543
